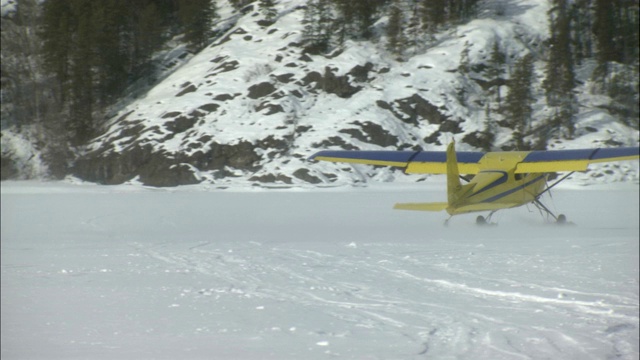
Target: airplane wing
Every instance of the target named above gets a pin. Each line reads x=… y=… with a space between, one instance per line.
x=414 y=162
x=573 y=160
x=435 y=162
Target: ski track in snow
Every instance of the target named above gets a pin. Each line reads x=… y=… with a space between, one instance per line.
x=313 y=274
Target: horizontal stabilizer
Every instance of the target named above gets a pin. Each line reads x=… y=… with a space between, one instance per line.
x=434 y=206
x=484 y=207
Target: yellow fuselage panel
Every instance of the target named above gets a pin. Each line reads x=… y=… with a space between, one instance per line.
x=498 y=189
x=502 y=160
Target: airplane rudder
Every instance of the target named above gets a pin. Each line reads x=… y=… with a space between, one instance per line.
x=453 y=174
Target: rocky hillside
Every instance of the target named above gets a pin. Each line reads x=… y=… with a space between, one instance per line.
x=252 y=106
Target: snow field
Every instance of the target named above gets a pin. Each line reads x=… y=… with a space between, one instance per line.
x=128 y=272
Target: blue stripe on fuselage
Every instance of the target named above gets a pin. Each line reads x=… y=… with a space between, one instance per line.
x=511 y=191
x=495 y=183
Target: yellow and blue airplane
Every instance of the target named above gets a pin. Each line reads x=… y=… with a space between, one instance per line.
x=501 y=180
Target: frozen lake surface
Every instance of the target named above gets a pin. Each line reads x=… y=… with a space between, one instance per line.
x=125 y=272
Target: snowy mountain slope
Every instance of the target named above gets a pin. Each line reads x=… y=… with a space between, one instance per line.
x=253 y=106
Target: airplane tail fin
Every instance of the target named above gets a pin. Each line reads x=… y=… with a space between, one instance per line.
x=454 y=187
x=453 y=175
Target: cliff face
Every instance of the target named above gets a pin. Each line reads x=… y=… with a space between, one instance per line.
x=252 y=106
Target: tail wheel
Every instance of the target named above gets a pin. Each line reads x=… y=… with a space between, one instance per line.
x=480 y=220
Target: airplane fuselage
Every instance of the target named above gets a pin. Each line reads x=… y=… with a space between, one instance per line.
x=497 y=189
x=496 y=186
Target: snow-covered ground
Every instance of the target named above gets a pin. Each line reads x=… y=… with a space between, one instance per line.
x=126 y=272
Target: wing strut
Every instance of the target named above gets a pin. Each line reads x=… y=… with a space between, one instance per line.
x=541 y=207
x=560 y=219
x=554 y=184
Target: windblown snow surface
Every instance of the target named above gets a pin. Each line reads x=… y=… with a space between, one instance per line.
x=127 y=272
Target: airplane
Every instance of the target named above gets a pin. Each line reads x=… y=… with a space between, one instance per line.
x=499 y=180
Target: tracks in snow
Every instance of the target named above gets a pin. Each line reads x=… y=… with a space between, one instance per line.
x=423 y=297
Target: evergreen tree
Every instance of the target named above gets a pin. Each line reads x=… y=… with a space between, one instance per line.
x=29 y=92
x=519 y=99
x=57 y=32
x=413 y=32
x=110 y=42
x=495 y=70
x=622 y=88
x=94 y=48
x=464 y=59
x=631 y=32
x=196 y=16
x=427 y=25
x=82 y=90
x=607 y=26
x=366 y=11
x=582 y=37
x=345 y=23
x=147 y=33
x=317 y=23
x=616 y=31
x=434 y=13
x=488 y=133
x=461 y=10
x=395 y=37
x=21 y=67
x=604 y=30
x=355 y=18
x=560 y=79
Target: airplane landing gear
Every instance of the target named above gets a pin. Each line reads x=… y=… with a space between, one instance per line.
x=483 y=221
x=560 y=219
